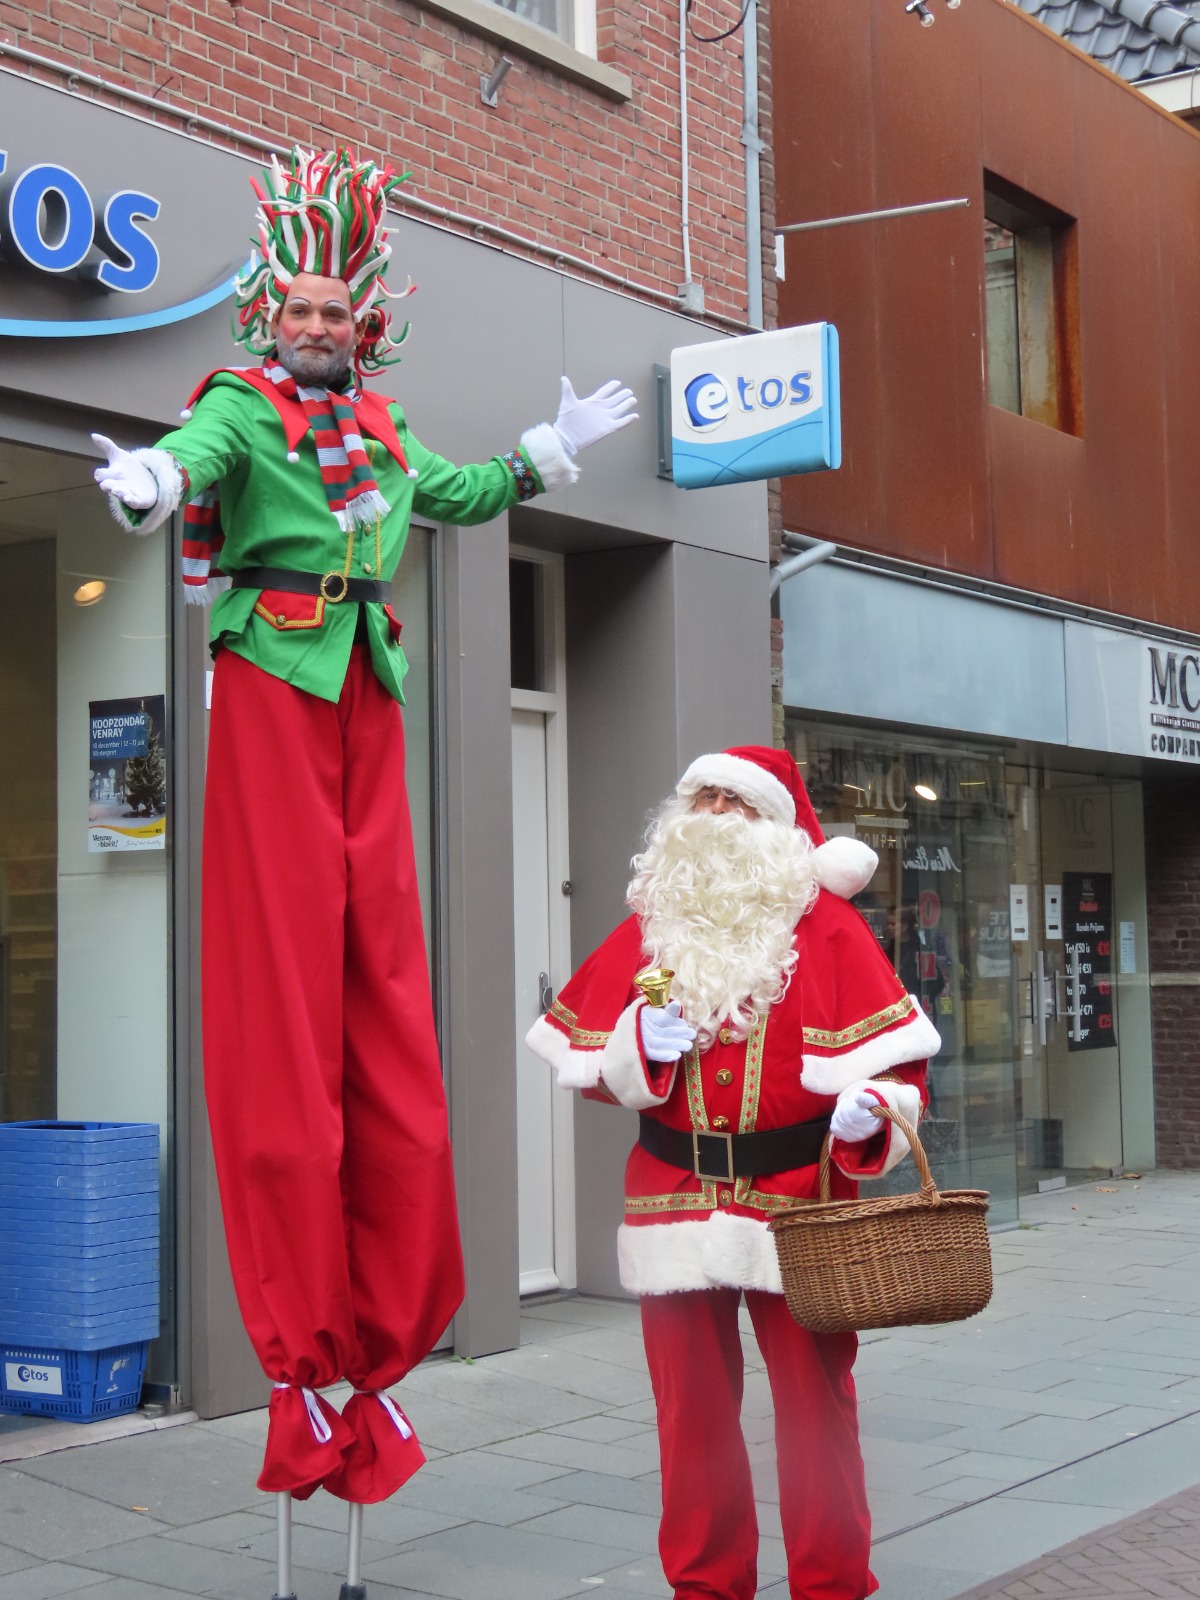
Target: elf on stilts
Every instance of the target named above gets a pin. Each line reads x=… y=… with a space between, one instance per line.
x=321 y=1066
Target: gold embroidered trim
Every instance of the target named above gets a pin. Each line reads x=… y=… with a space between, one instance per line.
x=581 y=1038
x=695 y=1091
x=315 y=621
x=653 y=1204
x=826 y=1039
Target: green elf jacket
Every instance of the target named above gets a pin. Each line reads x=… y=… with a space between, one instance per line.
x=275 y=513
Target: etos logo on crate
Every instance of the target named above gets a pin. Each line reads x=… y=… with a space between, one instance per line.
x=22 y=1378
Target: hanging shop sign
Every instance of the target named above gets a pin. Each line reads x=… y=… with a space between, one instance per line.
x=762 y=406
x=81 y=244
x=127 y=780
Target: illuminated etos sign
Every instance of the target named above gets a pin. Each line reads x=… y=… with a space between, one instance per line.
x=51 y=222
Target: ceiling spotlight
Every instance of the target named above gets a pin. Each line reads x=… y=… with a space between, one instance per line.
x=88 y=594
x=489 y=87
x=924 y=791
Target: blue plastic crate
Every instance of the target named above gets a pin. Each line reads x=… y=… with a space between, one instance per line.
x=79 y=1141
x=73 y=1333
x=76 y=1385
x=109 y=1272
x=34 y=1235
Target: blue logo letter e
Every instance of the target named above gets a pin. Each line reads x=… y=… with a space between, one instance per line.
x=707 y=400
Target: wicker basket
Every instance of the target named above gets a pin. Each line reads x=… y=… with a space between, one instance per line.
x=887 y=1262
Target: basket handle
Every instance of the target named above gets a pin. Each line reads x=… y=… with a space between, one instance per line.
x=929 y=1189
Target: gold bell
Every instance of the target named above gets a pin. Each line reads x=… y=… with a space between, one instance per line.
x=655 y=984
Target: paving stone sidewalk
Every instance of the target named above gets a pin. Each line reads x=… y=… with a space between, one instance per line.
x=1156 y=1553
x=1071 y=1404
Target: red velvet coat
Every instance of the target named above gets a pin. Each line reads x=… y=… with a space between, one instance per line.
x=844 y=1019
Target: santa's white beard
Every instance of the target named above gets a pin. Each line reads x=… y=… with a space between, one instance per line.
x=718 y=898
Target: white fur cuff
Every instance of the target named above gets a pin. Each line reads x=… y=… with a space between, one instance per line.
x=915 y=1040
x=722 y=1252
x=203 y=594
x=902 y=1097
x=545 y=449
x=622 y=1068
x=168 y=476
x=574 y=1069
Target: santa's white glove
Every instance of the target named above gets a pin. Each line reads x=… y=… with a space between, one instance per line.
x=665 y=1035
x=125 y=477
x=854 y=1119
x=580 y=423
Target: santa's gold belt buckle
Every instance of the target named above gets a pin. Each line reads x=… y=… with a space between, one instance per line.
x=713 y=1177
x=338 y=595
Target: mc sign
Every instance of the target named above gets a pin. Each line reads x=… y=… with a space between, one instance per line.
x=50 y=222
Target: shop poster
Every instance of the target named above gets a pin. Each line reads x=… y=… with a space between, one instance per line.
x=1088 y=930
x=127 y=786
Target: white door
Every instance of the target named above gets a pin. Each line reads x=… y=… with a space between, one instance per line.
x=535 y=1087
x=545 y=1134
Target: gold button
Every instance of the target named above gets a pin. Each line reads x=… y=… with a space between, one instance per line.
x=720 y=1123
x=366 y=566
x=724 y=1077
x=281 y=619
x=726 y=1197
x=725 y=1035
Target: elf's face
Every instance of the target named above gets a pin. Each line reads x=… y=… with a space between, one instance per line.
x=314 y=331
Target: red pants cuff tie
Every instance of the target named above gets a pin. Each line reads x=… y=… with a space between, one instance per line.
x=384 y=1452
x=306 y=1440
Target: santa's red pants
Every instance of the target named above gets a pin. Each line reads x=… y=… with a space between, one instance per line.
x=321 y=1068
x=708 y=1538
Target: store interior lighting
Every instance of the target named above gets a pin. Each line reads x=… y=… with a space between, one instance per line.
x=90 y=593
x=924 y=791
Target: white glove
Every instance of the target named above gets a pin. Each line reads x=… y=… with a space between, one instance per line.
x=581 y=422
x=125 y=477
x=854 y=1119
x=665 y=1035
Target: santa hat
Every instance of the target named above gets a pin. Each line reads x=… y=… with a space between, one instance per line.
x=770 y=781
x=322 y=214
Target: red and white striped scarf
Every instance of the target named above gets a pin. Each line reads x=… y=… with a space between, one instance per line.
x=350 y=488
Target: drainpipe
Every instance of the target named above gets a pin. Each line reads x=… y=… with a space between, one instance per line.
x=754 y=147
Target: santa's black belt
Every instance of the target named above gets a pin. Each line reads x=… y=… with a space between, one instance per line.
x=722 y=1157
x=331 y=586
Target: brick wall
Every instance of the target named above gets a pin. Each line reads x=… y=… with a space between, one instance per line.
x=556 y=160
x=1173 y=908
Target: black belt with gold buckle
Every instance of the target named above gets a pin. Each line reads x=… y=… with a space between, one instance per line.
x=734 y=1155
x=332 y=586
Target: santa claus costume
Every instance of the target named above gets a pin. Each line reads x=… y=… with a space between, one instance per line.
x=797 y=1013
x=321 y=1065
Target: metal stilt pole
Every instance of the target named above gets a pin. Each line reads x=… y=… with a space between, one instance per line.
x=283 y=1547
x=354 y=1588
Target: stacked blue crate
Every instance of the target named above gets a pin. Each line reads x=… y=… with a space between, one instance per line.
x=78 y=1265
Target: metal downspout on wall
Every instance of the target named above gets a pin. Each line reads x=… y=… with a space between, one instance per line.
x=754 y=147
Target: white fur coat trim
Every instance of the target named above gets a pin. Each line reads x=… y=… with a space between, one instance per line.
x=196 y=595
x=902 y=1097
x=755 y=784
x=545 y=449
x=721 y=1252
x=168 y=476
x=915 y=1040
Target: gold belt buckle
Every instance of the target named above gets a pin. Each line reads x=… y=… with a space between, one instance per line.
x=336 y=577
x=713 y=1177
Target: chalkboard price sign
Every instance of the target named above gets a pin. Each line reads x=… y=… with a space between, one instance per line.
x=1088 y=933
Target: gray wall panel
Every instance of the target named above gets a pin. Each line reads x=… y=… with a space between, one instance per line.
x=722 y=652
x=864 y=645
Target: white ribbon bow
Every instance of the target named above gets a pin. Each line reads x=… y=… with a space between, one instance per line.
x=392 y=1409
x=319 y=1423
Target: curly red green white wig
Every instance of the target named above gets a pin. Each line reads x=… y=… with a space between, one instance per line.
x=324 y=214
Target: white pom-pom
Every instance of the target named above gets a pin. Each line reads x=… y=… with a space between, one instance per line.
x=293 y=455
x=186 y=413
x=844 y=866
x=413 y=473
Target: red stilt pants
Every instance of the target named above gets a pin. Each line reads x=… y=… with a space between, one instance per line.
x=321 y=1068
x=708 y=1538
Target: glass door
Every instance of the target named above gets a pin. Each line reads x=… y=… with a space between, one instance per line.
x=1063 y=909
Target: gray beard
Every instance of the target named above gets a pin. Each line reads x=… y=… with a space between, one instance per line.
x=316 y=368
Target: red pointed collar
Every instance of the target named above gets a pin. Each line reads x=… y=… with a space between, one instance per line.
x=370 y=409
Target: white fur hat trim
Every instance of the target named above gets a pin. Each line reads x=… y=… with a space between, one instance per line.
x=844 y=866
x=753 y=783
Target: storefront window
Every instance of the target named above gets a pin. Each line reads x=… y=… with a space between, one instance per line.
x=939 y=906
